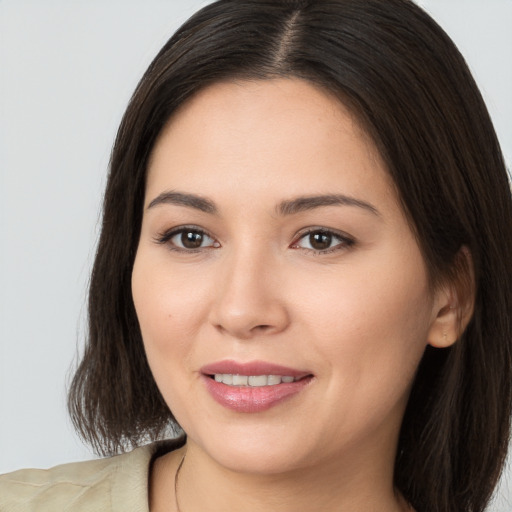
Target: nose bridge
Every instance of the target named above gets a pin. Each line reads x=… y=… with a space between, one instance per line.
x=247 y=300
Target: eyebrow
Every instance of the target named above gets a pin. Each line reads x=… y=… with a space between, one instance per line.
x=285 y=208
x=181 y=199
x=301 y=204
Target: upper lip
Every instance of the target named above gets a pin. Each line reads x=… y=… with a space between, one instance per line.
x=251 y=368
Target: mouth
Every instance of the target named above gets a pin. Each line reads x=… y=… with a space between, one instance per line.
x=255 y=381
x=253 y=387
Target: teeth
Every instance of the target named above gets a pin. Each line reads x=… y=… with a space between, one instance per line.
x=257 y=380
x=274 y=379
x=253 y=380
x=240 y=380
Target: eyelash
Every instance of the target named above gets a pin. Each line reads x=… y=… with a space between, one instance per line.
x=345 y=241
x=166 y=236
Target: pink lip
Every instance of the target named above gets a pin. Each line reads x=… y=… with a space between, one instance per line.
x=252 y=399
x=251 y=368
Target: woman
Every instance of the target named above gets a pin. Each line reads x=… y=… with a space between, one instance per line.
x=304 y=256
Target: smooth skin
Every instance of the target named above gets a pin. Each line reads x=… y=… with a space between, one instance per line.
x=339 y=290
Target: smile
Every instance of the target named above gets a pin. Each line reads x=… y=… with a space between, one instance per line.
x=255 y=386
x=255 y=381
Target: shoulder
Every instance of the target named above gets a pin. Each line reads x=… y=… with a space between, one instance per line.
x=113 y=484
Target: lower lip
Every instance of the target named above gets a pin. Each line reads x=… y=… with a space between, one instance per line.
x=253 y=399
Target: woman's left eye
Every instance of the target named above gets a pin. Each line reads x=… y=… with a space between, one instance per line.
x=322 y=241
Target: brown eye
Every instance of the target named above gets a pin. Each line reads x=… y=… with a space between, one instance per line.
x=320 y=241
x=191 y=239
x=188 y=239
x=323 y=241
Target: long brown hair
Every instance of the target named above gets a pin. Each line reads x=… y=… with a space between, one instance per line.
x=404 y=79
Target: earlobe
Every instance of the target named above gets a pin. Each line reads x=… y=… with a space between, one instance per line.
x=454 y=303
x=444 y=332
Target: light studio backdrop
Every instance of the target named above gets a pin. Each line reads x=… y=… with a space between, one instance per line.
x=67 y=70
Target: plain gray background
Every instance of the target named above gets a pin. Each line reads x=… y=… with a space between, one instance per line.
x=67 y=70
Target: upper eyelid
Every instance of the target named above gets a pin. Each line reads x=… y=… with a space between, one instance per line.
x=329 y=231
x=189 y=227
x=302 y=232
x=167 y=234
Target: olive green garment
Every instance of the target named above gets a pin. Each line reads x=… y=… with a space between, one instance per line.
x=115 y=484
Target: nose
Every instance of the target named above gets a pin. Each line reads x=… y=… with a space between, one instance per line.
x=249 y=300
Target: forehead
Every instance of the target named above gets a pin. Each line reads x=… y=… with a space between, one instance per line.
x=271 y=136
x=245 y=105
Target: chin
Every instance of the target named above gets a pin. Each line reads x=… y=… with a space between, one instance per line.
x=257 y=452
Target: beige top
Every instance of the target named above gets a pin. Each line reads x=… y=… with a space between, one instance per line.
x=115 y=484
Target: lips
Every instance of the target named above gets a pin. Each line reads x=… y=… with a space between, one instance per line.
x=252 y=387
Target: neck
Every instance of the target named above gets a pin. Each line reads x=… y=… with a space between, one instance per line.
x=203 y=484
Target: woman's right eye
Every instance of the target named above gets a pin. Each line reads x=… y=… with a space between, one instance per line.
x=187 y=239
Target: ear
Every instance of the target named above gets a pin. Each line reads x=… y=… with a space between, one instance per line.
x=454 y=302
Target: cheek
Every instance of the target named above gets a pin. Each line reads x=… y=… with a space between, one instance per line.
x=372 y=325
x=169 y=309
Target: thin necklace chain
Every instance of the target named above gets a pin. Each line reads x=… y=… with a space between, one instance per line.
x=176 y=484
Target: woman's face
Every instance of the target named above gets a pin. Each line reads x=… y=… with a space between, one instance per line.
x=273 y=245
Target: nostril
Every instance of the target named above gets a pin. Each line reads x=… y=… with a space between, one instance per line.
x=262 y=327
